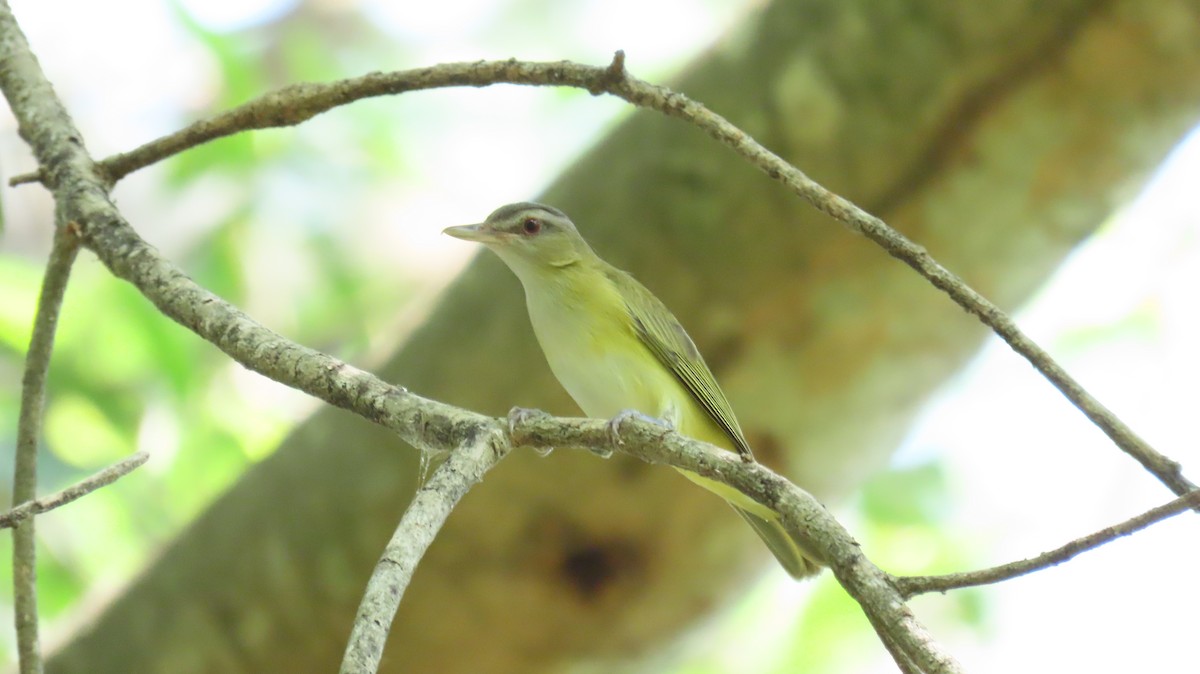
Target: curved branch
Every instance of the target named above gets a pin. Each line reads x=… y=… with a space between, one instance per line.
x=915 y=585
x=800 y=512
x=19 y=69
x=299 y=102
x=29 y=433
x=486 y=440
x=422 y=521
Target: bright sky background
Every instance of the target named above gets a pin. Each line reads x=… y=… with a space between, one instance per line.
x=1123 y=317
x=1028 y=470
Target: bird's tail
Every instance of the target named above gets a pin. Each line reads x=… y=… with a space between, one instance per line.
x=781 y=544
x=766 y=524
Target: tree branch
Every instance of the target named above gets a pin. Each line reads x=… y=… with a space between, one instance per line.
x=29 y=433
x=422 y=521
x=16 y=62
x=82 y=488
x=914 y=585
x=299 y=102
x=485 y=440
x=799 y=511
x=902 y=660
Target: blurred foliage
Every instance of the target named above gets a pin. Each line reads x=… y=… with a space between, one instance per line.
x=125 y=378
x=1141 y=324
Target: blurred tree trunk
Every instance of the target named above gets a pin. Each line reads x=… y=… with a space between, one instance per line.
x=997 y=134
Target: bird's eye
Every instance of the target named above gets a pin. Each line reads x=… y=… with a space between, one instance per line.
x=531 y=225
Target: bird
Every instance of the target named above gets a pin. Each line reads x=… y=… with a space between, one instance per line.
x=618 y=350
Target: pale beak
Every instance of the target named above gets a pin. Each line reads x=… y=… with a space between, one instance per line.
x=477 y=233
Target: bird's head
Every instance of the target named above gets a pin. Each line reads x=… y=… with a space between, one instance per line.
x=532 y=239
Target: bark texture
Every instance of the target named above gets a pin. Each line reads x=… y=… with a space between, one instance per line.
x=996 y=134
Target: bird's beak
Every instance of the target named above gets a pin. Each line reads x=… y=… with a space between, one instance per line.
x=478 y=233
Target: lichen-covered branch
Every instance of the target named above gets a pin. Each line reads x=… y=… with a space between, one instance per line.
x=29 y=433
x=418 y=527
x=871 y=588
x=15 y=62
x=299 y=102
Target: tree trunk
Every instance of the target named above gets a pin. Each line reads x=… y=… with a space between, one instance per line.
x=996 y=134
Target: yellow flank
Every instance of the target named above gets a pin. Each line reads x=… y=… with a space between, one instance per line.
x=615 y=347
x=593 y=350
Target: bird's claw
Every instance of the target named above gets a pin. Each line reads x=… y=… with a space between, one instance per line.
x=518 y=416
x=614 y=426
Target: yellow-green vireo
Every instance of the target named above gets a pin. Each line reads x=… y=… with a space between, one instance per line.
x=616 y=348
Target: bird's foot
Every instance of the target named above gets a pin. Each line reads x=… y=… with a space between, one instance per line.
x=614 y=426
x=517 y=416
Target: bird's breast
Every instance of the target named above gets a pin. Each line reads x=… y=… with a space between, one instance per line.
x=594 y=353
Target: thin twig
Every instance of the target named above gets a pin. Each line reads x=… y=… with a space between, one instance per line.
x=901 y=247
x=914 y=585
x=29 y=433
x=82 y=488
x=299 y=102
x=422 y=521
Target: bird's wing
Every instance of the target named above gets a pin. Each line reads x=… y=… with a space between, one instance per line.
x=666 y=339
